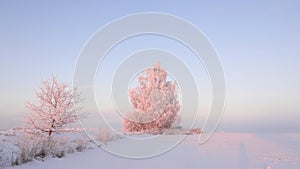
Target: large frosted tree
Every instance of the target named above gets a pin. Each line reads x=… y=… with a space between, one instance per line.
x=154 y=102
x=54 y=110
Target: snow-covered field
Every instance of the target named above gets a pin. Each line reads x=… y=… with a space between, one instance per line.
x=222 y=151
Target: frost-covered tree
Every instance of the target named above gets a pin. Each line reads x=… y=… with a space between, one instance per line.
x=154 y=102
x=54 y=112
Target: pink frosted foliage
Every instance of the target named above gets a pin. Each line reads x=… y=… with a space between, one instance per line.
x=154 y=102
x=55 y=109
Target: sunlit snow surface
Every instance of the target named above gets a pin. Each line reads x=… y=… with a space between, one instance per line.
x=223 y=150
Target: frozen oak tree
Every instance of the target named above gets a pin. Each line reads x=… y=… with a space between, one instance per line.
x=54 y=112
x=154 y=102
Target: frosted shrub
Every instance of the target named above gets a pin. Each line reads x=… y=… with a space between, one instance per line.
x=5 y=156
x=106 y=135
x=103 y=135
x=31 y=146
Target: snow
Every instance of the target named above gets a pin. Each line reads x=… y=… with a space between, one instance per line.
x=223 y=150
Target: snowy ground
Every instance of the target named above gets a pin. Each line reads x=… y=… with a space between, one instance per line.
x=224 y=150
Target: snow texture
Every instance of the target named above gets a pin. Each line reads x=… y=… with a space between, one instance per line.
x=223 y=150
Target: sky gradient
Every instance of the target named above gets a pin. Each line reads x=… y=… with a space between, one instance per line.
x=257 y=42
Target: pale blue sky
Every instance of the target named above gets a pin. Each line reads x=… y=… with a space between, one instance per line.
x=257 y=41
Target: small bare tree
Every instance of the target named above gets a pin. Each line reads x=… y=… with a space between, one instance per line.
x=55 y=108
